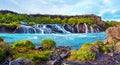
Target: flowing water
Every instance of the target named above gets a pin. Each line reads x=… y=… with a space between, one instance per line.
x=73 y=40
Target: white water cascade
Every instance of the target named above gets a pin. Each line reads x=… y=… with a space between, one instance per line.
x=55 y=28
x=86 y=28
x=26 y=29
x=91 y=29
x=77 y=28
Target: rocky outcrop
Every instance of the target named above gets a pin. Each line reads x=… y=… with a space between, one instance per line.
x=58 y=56
x=117 y=47
x=7 y=29
x=113 y=32
x=110 y=40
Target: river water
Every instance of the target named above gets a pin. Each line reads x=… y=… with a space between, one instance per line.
x=73 y=40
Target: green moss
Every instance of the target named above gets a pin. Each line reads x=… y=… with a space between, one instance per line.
x=22 y=46
x=33 y=55
x=2 y=54
x=48 y=44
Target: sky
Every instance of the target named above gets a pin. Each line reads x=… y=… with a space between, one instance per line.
x=107 y=9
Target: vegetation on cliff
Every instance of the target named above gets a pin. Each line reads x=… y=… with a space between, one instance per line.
x=9 y=17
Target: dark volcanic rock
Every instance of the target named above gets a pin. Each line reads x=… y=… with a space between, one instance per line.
x=69 y=28
x=21 y=61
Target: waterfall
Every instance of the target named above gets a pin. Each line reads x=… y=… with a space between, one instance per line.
x=44 y=26
x=77 y=28
x=42 y=31
x=26 y=29
x=59 y=28
x=98 y=30
x=91 y=29
x=65 y=30
x=54 y=28
x=34 y=30
x=86 y=28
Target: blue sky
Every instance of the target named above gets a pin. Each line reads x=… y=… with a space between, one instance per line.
x=108 y=9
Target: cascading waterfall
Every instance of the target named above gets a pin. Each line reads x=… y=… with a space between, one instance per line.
x=54 y=28
x=61 y=28
x=91 y=29
x=98 y=30
x=86 y=28
x=77 y=28
x=26 y=29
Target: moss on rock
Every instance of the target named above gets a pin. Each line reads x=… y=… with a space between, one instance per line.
x=23 y=46
x=48 y=43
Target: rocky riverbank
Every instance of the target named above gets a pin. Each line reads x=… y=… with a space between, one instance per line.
x=95 y=53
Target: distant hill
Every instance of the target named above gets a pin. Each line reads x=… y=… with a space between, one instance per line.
x=7 y=11
x=52 y=16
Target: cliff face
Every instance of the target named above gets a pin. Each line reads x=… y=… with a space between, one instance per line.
x=79 y=22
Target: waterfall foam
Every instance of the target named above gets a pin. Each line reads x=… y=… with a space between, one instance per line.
x=56 y=28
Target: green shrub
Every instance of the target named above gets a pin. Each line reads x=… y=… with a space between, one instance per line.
x=104 y=49
x=31 y=23
x=5 y=46
x=22 y=46
x=2 y=54
x=48 y=44
x=83 y=54
x=86 y=47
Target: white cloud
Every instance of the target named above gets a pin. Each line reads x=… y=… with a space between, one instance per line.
x=107 y=1
x=66 y=7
